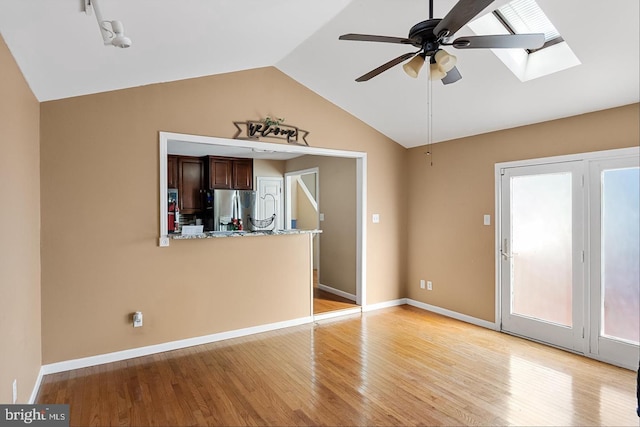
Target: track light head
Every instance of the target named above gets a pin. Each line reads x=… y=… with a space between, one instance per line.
x=119 y=39
x=112 y=31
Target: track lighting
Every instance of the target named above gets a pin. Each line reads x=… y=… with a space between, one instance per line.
x=413 y=67
x=112 y=31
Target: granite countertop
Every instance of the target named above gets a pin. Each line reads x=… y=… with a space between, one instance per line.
x=217 y=234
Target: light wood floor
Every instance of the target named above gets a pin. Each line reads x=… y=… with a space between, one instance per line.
x=396 y=366
x=324 y=302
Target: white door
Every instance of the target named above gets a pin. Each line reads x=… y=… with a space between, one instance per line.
x=615 y=260
x=542 y=270
x=270 y=201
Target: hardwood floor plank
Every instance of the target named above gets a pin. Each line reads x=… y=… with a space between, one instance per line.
x=397 y=366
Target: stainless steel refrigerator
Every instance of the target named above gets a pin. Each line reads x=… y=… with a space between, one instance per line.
x=233 y=204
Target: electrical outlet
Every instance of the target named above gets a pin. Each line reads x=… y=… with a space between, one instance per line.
x=429 y=285
x=15 y=391
x=421 y=284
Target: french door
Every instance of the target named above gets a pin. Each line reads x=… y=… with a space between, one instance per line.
x=569 y=253
x=542 y=253
x=615 y=259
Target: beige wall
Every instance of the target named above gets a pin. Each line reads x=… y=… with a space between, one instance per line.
x=337 y=201
x=448 y=243
x=20 y=351
x=306 y=214
x=100 y=226
x=270 y=168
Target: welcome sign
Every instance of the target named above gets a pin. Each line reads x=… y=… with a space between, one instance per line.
x=253 y=129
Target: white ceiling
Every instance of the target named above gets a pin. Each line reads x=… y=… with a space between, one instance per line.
x=59 y=50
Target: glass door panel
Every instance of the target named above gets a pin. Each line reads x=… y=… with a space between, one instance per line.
x=620 y=251
x=541 y=247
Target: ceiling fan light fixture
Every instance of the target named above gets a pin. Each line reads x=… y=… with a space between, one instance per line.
x=413 y=67
x=445 y=60
x=436 y=72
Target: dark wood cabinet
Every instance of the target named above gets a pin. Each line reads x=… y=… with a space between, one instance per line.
x=242 y=173
x=229 y=173
x=172 y=171
x=193 y=175
x=190 y=184
x=220 y=170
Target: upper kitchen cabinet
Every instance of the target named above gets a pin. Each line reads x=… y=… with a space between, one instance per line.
x=219 y=173
x=190 y=184
x=172 y=171
x=242 y=174
x=229 y=173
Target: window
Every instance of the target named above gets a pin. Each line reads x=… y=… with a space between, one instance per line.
x=522 y=17
x=525 y=16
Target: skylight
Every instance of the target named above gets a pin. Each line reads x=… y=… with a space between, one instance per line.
x=525 y=16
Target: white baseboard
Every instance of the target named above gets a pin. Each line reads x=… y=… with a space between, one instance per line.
x=385 y=304
x=189 y=342
x=338 y=313
x=452 y=314
x=159 y=348
x=338 y=292
x=36 y=387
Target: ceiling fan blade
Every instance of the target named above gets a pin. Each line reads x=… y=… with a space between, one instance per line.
x=502 y=41
x=385 y=67
x=463 y=12
x=452 y=76
x=372 y=38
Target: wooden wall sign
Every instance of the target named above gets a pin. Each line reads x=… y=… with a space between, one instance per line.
x=259 y=129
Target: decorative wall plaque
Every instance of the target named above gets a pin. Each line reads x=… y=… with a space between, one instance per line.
x=268 y=128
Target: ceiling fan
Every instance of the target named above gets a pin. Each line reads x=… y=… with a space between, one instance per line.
x=429 y=35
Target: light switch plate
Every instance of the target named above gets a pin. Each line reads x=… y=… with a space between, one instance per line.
x=137 y=319
x=321 y=217
x=487 y=220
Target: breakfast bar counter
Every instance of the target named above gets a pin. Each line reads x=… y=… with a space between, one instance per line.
x=219 y=234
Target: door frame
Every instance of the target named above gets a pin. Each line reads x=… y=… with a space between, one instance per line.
x=287 y=208
x=287 y=190
x=586 y=159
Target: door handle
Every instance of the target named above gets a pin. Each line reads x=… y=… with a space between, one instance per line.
x=505 y=249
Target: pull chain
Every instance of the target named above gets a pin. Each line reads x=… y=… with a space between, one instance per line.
x=429 y=115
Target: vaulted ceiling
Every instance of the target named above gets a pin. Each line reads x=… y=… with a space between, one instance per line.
x=61 y=54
